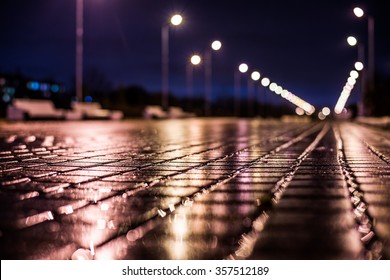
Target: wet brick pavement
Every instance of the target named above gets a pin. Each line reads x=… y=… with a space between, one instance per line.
x=194 y=189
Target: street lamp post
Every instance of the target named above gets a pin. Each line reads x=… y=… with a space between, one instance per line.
x=175 y=20
x=242 y=68
x=215 y=45
x=255 y=76
x=265 y=82
x=194 y=60
x=371 y=48
x=79 y=50
x=352 y=41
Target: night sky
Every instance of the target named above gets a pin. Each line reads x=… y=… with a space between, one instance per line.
x=301 y=44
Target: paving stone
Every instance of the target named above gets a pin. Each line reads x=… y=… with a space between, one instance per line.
x=194 y=189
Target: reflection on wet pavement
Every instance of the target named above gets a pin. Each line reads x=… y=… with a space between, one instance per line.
x=194 y=189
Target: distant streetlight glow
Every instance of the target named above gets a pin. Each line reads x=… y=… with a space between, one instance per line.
x=359 y=66
x=351 y=81
x=216 y=45
x=195 y=59
x=358 y=12
x=346 y=92
x=273 y=87
x=243 y=67
x=265 y=82
x=255 y=75
x=354 y=74
x=352 y=41
x=176 y=19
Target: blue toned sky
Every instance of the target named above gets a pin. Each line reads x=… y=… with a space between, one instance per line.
x=301 y=45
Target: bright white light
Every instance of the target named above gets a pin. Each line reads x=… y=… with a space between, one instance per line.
x=359 y=66
x=351 y=81
x=243 y=67
x=278 y=90
x=352 y=41
x=176 y=19
x=325 y=111
x=216 y=45
x=265 y=82
x=285 y=93
x=273 y=86
x=195 y=59
x=255 y=75
x=354 y=74
x=358 y=12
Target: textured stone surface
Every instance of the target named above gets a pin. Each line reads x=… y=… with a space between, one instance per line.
x=194 y=189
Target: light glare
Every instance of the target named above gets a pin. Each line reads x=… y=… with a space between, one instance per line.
x=243 y=67
x=352 y=41
x=359 y=66
x=273 y=86
x=265 y=82
x=195 y=59
x=216 y=45
x=354 y=74
x=358 y=12
x=176 y=19
x=255 y=75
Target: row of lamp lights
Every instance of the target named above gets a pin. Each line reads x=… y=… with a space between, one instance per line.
x=302 y=105
x=354 y=74
x=349 y=85
x=196 y=59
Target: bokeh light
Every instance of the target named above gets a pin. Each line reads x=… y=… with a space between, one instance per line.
x=255 y=75
x=176 y=19
x=352 y=41
x=358 y=12
x=265 y=82
x=359 y=66
x=243 y=67
x=216 y=45
x=196 y=59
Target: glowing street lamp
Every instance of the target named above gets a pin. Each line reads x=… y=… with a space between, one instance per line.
x=242 y=68
x=216 y=46
x=359 y=66
x=193 y=61
x=265 y=82
x=175 y=20
x=359 y=12
x=255 y=76
x=352 y=41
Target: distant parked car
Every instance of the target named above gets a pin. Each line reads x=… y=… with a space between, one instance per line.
x=154 y=112
x=93 y=110
x=24 y=109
